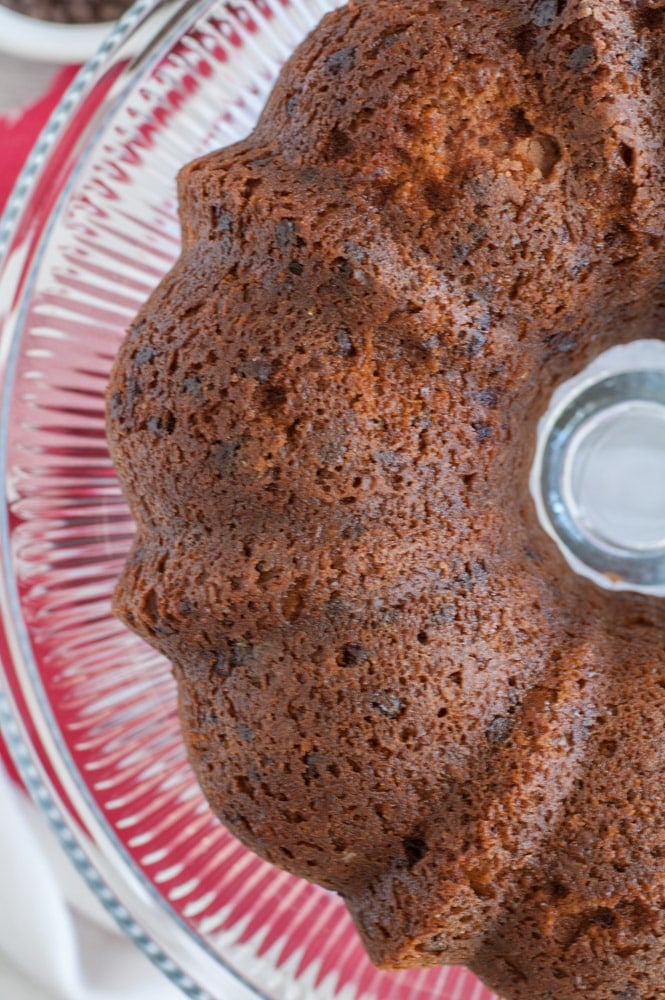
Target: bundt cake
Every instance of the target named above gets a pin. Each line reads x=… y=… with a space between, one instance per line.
x=390 y=682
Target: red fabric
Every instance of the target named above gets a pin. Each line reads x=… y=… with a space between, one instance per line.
x=19 y=130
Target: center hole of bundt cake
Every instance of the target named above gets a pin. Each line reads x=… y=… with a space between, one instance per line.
x=598 y=478
x=615 y=476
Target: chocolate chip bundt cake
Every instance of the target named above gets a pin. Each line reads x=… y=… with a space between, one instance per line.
x=390 y=682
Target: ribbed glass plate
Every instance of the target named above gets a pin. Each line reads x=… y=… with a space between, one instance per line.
x=88 y=709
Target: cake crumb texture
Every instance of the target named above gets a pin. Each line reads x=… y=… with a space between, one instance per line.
x=323 y=419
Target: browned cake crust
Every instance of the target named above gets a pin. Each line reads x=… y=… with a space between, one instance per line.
x=390 y=683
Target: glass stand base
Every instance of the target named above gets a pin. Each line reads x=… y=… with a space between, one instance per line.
x=598 y=477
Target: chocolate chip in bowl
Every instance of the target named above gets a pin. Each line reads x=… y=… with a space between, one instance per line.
x=64 y=31
x=70 y=11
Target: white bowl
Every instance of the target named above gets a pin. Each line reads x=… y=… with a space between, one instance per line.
x=48 y=41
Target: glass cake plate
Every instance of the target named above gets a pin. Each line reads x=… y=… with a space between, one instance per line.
x=88 y=711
